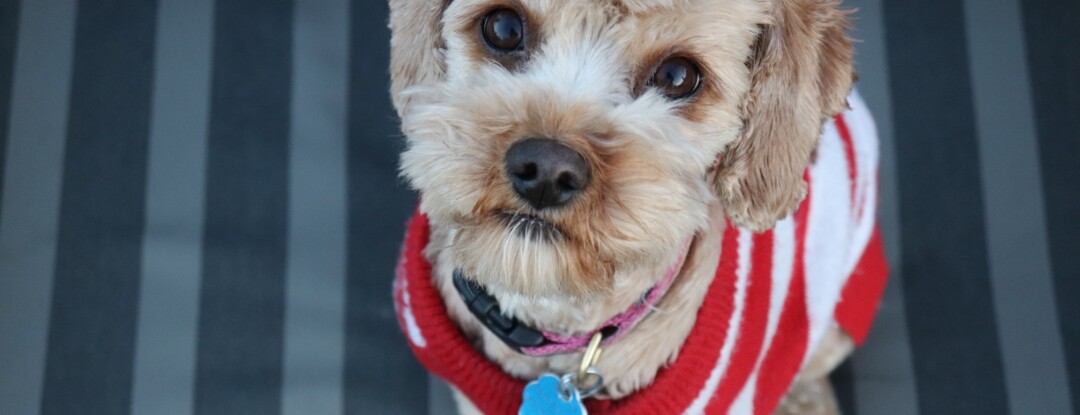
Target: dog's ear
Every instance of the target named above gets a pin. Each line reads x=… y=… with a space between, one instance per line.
x=416 y=46
x=801 y=73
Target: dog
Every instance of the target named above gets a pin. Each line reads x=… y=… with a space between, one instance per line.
x=684 y=187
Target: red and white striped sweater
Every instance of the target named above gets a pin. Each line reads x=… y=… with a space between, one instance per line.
x=774 y=296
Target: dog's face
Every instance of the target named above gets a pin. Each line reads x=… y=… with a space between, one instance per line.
x=568 y=142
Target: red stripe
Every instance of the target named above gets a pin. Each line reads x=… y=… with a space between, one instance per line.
x=448 y=354
x=849 y=155
x=755 y=318
x=676 y=387
x=785 y=354
x=862 y=292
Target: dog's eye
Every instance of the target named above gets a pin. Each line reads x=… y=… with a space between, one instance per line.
x=503 y=30
x=677 y=78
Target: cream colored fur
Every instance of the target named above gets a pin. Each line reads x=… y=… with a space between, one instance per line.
x=664 y=171
x=628 y=364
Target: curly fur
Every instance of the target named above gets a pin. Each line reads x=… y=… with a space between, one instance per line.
x=662 y=170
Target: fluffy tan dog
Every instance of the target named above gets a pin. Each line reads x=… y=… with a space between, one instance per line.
x=566 y=151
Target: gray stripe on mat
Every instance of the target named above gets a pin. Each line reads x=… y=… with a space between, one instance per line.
x=440 y=398
x=172 y=242
x=30 y=215
x=1015 y=223
x=315 y=273
x=955 y=347
x=883 y=373
x=1052 y=39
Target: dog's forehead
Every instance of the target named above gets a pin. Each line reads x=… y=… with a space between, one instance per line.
x=614 y=12
x=622 y=10
x=715 y=30
x=654 y=6
x=633 y=7
x=660 y=20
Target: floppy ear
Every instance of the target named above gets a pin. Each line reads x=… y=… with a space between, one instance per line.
x=416 y=49
x=801 y=72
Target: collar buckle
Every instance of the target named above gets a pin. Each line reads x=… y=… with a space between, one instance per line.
x=486 y=309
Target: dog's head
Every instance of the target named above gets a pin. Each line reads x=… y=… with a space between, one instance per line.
x=567 y=141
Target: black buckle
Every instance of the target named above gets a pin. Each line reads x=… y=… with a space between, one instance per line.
x=486 y=309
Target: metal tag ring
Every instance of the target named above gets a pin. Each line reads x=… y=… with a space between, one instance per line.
x=570 y=380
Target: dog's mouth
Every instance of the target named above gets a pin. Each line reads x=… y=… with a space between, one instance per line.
x=529 y=227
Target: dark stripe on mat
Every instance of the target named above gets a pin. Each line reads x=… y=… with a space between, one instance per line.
x=95 y=294
x=242 y=301
x=843 y=382
x=1053 y=39
x=947 y=291
x=381 y=375
x=9 y=29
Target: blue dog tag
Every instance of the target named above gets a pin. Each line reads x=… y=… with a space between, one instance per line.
x=543 y=397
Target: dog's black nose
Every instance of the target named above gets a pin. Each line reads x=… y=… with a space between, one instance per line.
x=546 y=173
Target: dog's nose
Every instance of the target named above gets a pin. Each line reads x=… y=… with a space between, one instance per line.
x=546 y=173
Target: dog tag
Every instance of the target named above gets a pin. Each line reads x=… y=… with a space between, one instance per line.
x=546 y=396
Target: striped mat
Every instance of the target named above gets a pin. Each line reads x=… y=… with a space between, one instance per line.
x=200 y=211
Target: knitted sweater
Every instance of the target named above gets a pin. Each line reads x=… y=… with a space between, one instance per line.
x=773 y=297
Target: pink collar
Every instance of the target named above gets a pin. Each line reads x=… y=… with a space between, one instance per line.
x=534 y=342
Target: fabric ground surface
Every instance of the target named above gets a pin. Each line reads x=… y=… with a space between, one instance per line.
x=200 y=210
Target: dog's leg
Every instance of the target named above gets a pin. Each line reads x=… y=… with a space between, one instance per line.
x=812 y=393
x=809 y=397
x=464 y=405
x=833 y=349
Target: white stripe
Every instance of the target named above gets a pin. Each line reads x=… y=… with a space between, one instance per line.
x=742 y=274
x=828 y=233
x=783 y=265
x=864 y=149
x=28 y=228
x=864 y=136
x=314 y=353
x=164 y=363
x=413 y=329
x=744 y=403
x=865 y=143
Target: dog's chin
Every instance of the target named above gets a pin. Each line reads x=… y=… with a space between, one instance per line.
x=532 y=229
x=518 y=253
